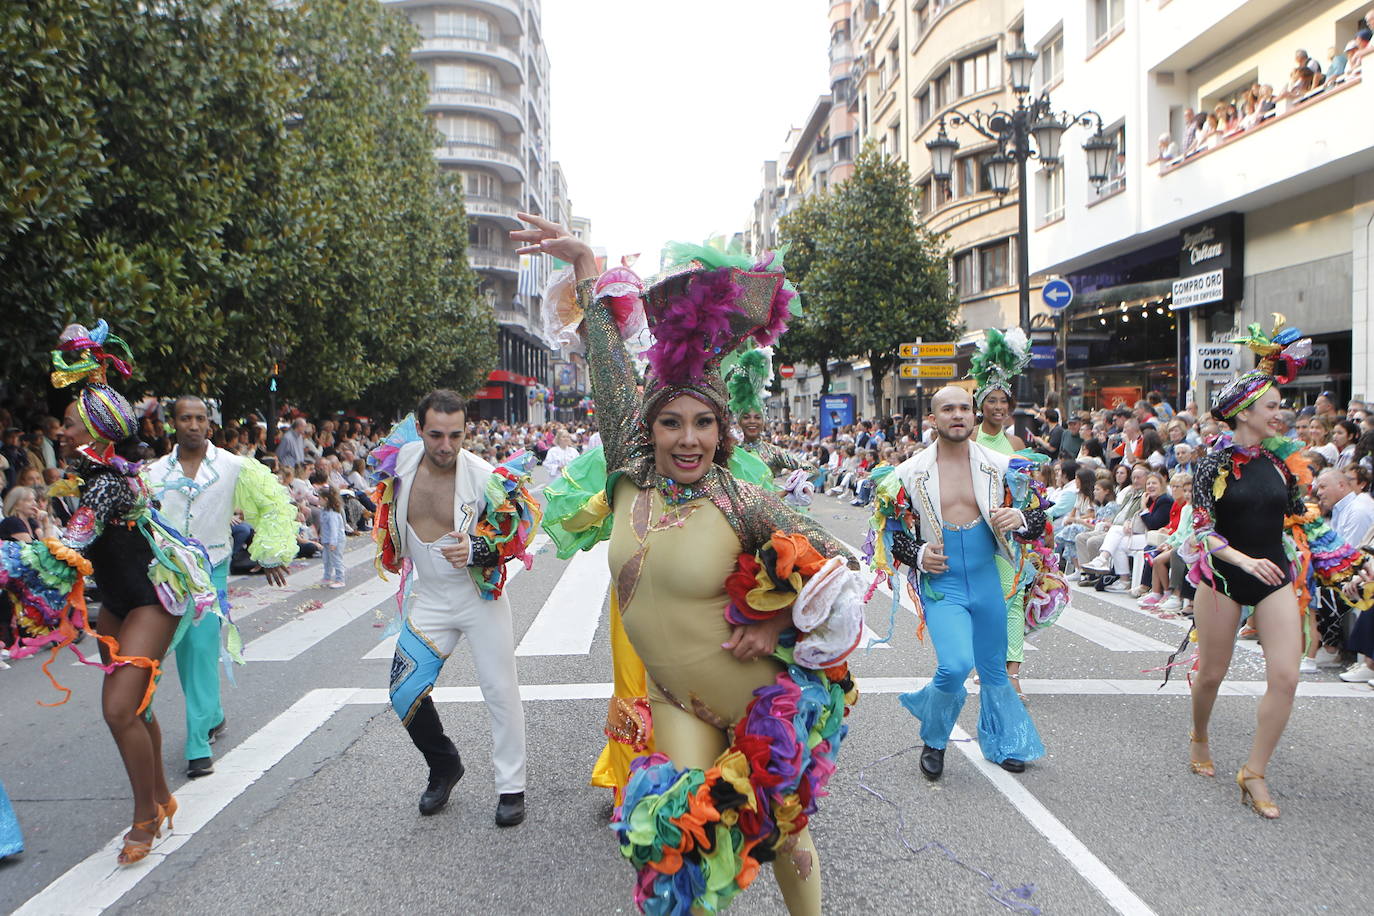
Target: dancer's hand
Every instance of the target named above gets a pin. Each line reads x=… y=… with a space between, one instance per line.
x=1264 y=570
x=457 y=554
x=934 y=562
x=756 y=640
x=548 y=237
x=276 y=575
x=1005 y=520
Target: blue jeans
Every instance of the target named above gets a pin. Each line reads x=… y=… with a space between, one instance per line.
x=966 y=613
x=333 y=563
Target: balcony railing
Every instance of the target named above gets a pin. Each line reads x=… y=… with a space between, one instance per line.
x=1271 y=117
x=489 y=259
x=500 y=155
x=467 y=96
x=489 y=205
x=458 y=42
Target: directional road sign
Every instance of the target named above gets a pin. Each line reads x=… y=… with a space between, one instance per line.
x=929 y=370
x=1057 y=294
x=942 y=350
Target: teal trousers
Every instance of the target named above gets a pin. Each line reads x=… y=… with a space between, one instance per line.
x=198 y=668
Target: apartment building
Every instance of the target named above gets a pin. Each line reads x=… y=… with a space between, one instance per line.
x=488 y=73
x=1204 y=230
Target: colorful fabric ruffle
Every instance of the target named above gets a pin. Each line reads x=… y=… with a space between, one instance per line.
x=508 y=524
x=697 y=837
x=822 y=596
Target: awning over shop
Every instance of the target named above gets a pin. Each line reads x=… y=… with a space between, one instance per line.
x=1126 y=292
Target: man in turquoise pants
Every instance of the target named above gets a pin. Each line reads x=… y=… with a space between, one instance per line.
x=198 y=487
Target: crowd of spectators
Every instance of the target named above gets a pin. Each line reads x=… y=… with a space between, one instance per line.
x=1203 y=130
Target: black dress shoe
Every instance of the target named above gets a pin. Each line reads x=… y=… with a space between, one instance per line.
x=218 y=730
x=1012 y=765
x=932 y=762
x=510 y=809
x=201 y=766
x=441 y=784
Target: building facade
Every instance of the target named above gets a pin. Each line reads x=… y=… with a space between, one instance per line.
x=488 y=74
x=1208 y=226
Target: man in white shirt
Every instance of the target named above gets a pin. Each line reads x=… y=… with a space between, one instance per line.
x=1352 y=512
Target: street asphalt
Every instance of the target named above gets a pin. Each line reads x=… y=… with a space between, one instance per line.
x=313 y=807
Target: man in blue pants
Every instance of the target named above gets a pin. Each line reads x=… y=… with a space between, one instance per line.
x=198 y=487
x=962 y=510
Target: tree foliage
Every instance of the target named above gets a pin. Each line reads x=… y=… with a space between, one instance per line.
x=814 y=337
x=233 y=185
x=874 y=277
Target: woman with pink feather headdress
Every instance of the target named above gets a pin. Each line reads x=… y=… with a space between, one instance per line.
x=742 y=610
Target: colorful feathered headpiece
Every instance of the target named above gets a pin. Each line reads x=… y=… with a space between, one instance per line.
x=81 y=358
x=1282 y=354
x=1000 y=357
x=747 y=374
x=707 y=302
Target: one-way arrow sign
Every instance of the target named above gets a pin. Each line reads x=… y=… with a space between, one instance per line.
x=1057 y=293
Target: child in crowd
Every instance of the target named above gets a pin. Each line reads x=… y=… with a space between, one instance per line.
x=332 y=536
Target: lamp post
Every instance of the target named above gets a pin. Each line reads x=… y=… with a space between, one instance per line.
x=1031 y=130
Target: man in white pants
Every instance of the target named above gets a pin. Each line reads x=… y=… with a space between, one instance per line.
x=433 y=512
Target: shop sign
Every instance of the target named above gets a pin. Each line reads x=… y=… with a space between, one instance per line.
x=1210 y=262
x=1199 y=290
x=1216 y=362
x=1119 y=396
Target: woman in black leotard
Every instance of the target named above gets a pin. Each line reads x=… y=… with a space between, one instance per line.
x=1244 y=496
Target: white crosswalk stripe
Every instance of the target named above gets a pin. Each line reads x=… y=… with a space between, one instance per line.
x=566 y=624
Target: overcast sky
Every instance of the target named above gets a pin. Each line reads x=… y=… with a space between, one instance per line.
x=664 y=112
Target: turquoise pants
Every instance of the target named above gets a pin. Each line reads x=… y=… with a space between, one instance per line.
x=198 y=669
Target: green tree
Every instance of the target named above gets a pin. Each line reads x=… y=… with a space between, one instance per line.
x=813 y=338
x=881 y=277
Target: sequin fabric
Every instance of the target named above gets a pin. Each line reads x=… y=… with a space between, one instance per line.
x=777 y=459
x=752 y=512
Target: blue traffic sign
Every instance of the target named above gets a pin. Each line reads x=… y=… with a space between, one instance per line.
x=1057 y=293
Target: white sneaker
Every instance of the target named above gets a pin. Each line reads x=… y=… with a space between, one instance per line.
x=1328 y=659
x=1120 y=585
x=4 y=654
x=1172 y=603
x=1309 y=666
x=1074 y=576
x=1102 y=565
x=1358 y=673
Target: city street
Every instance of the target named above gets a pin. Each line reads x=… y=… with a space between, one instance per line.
x=312 y=808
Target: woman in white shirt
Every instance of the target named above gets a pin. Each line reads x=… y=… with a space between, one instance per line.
x=562 y=453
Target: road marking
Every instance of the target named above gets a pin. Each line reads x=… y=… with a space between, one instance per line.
x=90 y=886
x=296 y=636
x=1108 y=635
x=1127 y=603
x=1120 y=897
x=566 y=624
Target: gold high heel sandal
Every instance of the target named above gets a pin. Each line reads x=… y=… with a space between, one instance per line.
x=166 y=812
x=1265 y=809
x=136 y=850
x=1200 y=767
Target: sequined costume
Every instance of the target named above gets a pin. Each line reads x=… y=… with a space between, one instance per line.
x=777 y=459
x=700 y=815
x=963 y=608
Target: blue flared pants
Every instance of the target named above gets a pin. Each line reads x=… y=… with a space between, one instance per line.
x=966 y=613
x=198 y=665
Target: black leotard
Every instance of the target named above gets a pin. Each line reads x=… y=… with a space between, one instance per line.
x=1250 y=516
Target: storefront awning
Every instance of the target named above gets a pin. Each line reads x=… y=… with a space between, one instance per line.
x=1126 y=292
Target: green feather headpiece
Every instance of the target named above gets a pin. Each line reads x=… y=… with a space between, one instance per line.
x=1000 y=358
x=747 y=374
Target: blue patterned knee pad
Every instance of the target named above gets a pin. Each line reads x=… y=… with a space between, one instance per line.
x=414 y=669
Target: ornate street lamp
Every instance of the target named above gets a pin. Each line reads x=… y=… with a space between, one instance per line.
x=1031 y=130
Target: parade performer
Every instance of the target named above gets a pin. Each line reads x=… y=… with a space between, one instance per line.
x=747 y=374
x=945 y=515
x=1255 y=539
x=999 y=359
x=154 y=583
x=742 y=610
x=449 y=522
x=198 y=487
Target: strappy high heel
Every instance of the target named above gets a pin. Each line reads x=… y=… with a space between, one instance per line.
x=166 y=812
x=135 y=850
x=1200 y=767
x=1265 y=809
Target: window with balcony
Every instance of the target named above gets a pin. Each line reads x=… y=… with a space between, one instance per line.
x=843 y=148
x=465 y=78
x=468 y=129
x=1105 y=19
x=481 y=184
x=1051 y=61
x=923 y=111
x=977 y=73
x=463 y=24
x=1050 y=194
x=481 y=235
